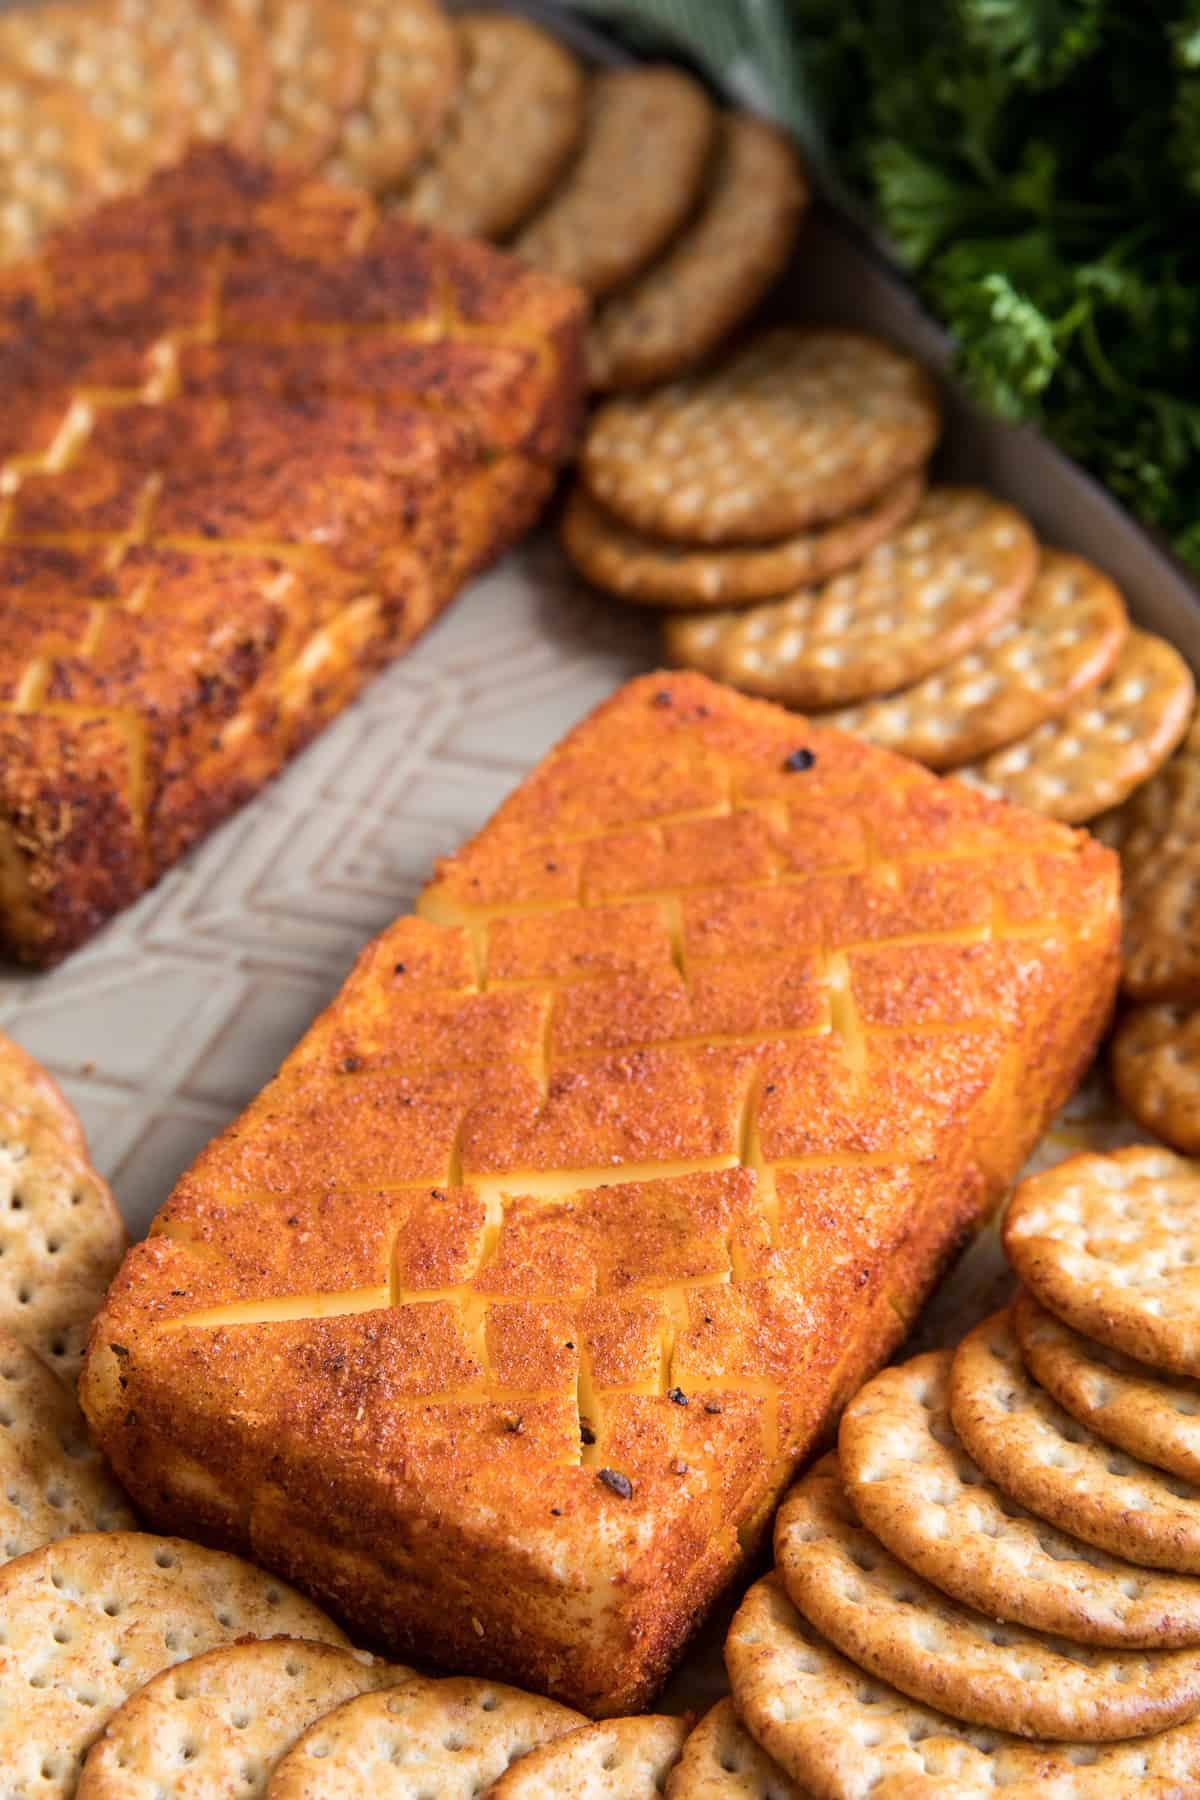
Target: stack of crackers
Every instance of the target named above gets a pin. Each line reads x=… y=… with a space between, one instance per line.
x=776 y=507
x=992 y=1583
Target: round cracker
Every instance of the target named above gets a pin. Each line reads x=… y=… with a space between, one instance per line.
x=1155 y=1060
x=220 y=1722
x=849 y=1736
x=1097 y=752
x=61 y=1239
x=797 y=427
x=318 y=71
x=716 y=271
x=53 y=1480
x=1153 y=1417
x=1160 y=937
x=413 y=74
x=915 y=1487
x=1065 y=639
x=520 y=89
x=659 y=573
x=1111 y=1244
x=89 y=1619
x=450 y=1738
x=30 y=1090
x=50 y=161
x=721 y=1761
x=647 y=135
x=874 y=1610
x=618 y=1759
x=1059 y=1469
x=961 y=565
x=223 y=69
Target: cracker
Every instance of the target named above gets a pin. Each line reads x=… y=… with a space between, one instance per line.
x=797 y=427
x=52 y=1478
x=915 y=1487
x=721 y=1761
x=1154 y=1417
x=1157 y=833
x=412 y=61
x=1111 y=1244
x=219 y=1723
x=659 y=573
x=717 y=270
x=648 y=132
x=318 y=74
x=450 y=1738
x=1059 y=1469
x=89 y=1619
x=1156 y=1070
x=958 y=568
x=1101 y=747
x=618 y=1759
x=1065 y=639
x=521 y=89
x=50 y=157
x=874 y=1610
x=61 y=1238
x=849 y=1736
x=224 y=72
x=29 y=1090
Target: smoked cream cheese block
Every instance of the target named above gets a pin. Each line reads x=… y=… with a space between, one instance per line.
x=254 y=437
x=500 y=1320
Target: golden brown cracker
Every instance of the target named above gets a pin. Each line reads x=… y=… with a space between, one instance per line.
x=1155 y=1059
x=413 y=72
x=721 y=1761
x=28 y=1089
x=617 y=1759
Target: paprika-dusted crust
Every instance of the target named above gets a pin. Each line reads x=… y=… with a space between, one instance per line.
x=503 y=1315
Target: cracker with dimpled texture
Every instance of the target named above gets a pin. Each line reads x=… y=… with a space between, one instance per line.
x=721 y=1761
x=1157 y=832
x=1065 y=639
x=912 y=1482
x=411 y=53
x=51 y=152
x=318 y=72
x=960 y=567
x=1111 y=1244
x=798 y=426
x=1155 y=1060
x=618 y=1759
x=30 y=1091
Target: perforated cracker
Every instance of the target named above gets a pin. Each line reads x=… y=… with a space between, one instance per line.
x=714 y=274
x=1154 y=1417
x=648 y=132
x=520 y=88
x=1065 y=639
x=318 y=73
x=1111 y=1244
x=1094 y=755
x=960 y=566
x=874 y=1610
x=219 y=1723
x=1157 y=832
x=721 y=1761
x=660 y=573
x=412 y=62
x=451 y=1738
x=61 y=1238
x=1155 y=1059
x=91 y=1618
x=30 y=1091
x=1060 y=1469
x=795 y=428
x=913 y=1484
x=850 y=1736
x=50 y=160
x=618 y=1759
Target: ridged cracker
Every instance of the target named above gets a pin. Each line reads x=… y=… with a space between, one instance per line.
x=797 y=427
x=721 y=1761
x=520 y=88
x=446 y=1738
x=617 y=1759
x=648 y=133
x=61 y=1238
x=413 y=75
x=960 y=566
x=849 y=1736
x=1153 y=1417
x=1097 y=752
x=86 y=1621
x=218 y=1724
x=30 y=1091
x=874 y=1610
x=657 y=572
x=52 y=1479
x=1111 y=1244
x=1059 y=1469
x=914 y=1485
x=1065 y=639
x=717 y=270
x=1155 y=1060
